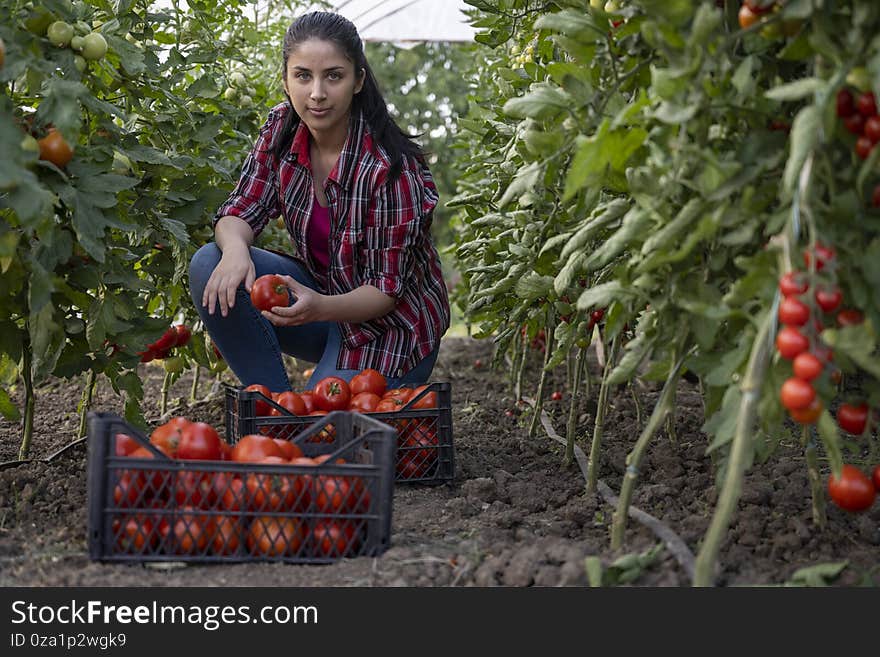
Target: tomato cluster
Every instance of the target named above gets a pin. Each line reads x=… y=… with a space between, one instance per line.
x=175 y=336
x=755 y=11
x=860 y=117
x=194 y=512
x=367 y=392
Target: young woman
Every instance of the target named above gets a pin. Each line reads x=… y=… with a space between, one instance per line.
x=357 y=199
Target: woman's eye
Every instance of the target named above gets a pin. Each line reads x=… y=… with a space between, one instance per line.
x=334 y=76
x=302 y=76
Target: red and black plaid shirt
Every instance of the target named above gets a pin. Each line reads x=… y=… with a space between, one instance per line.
x=379 y=235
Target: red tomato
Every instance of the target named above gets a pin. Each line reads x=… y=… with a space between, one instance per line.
x=290 y=401
x=262 y=408
x=254 y=448
x=127 y=493
x=269 y=291
x=875 y=197
x=335 y=538
x=790 y=342
x=125 y=444
x=189 y=532
x=275 y=537
x=875 y=477
x=227 y=536
x=308 y=398
x=808 y=415
x=400 y=396
x=388 y=405
x=364 y=402
x=807 y=366
x=855 y=123
x=793 y=283
x=872 y=129
x=852 y=418
x=183 y=335
x=288 y=449
x=193 y=489
x=853 y=491
x=168 y=435
x=338 y=494
x=828 y=299
x=332 y=394
x=849 y=317
x=272 y=492
x=845 y=103
x=417 y=454
x=429 y=400
x=747 y=17
x=796 y=394
x=229 y=491
x=199 y=440
x=556 y=395
x=824 y=255
x=153 y=480
x=134 y=534
x=368 y=380
x=793 y=311
x=864 y=146
x=166 y=342
x=866 y=105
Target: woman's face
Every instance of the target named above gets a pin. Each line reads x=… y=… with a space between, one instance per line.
x=321 y=83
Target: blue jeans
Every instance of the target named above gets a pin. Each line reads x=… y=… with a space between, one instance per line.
x=252 y=346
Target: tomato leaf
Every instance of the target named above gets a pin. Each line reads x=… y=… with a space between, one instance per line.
x=805 y=133
x=7 y=408
x=796 y=90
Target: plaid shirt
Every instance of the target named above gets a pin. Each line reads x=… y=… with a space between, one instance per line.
x=379 y=236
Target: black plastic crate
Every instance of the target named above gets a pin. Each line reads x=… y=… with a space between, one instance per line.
x=164 y=509
x=425 y=452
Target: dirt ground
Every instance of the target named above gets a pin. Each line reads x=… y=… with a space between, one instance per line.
x=515 y=516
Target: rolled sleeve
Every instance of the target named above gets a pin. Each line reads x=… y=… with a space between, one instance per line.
x=400 y=211
x=255 y=198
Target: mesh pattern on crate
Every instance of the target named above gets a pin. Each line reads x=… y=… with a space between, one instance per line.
x=158 y=509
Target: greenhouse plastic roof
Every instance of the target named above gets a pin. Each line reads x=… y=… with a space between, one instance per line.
x=407 y=21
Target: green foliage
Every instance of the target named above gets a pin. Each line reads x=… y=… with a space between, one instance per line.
x=721 y=155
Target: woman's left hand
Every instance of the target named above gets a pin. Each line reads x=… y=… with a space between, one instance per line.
x=307 y=306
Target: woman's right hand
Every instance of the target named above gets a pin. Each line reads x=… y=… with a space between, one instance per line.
x=234 y=267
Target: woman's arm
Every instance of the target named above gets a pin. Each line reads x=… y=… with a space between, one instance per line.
x=360 y=305
x=234 y=237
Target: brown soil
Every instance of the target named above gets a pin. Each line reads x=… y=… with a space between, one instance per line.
x=515 y=516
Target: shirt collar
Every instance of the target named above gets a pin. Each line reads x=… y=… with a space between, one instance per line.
x=357 y=144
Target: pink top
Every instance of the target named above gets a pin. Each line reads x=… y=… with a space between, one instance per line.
x=318 y=234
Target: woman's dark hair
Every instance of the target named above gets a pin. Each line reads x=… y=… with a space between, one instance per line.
x=328 y=26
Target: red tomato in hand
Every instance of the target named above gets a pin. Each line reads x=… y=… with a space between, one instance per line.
x=199 y=440
x=269 y=291
x=852 y=418
x=368 y=380
x=332 y=394
x=853 y=491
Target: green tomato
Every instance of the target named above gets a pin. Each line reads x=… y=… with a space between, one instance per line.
x=76 y=43
x=859 y=78
x=80 y=63
x=60 y=34
x=30 y=144
x=231 y=93
x=82 y=28
x=94 y=46
x=246 y=101
x=121 y=163
x=612 y=6
x=174 y=365
x=237 y=79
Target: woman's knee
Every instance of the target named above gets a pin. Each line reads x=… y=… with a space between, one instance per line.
x=202 y=265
